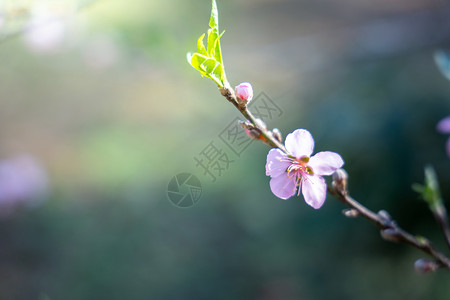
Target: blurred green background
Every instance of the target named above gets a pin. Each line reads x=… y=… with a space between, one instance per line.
x=100 y=96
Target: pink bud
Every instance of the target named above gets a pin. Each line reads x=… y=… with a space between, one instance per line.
x=253 y=134
x=244 y=92
x=340 y=178
x=423 y=266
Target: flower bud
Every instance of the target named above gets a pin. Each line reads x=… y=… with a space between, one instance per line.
x=340 y=177
x=254 y=134
x=277 y=135
x=260 y=124
x=244 y=93
x=351 y=213
x=424 y=265
x=246 y=124
x=391 y=235
x=385 y=215
x=250 y=129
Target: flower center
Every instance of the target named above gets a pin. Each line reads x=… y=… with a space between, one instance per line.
x=299 y=167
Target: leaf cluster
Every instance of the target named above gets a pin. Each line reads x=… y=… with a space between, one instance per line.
x=208 y=60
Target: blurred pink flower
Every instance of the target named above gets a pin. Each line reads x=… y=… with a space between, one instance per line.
x=47 y=27
x=45 y=35
x=444 y=127
x=299 y=171
x=22 y=182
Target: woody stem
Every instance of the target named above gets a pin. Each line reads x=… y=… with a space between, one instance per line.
x=397 y=233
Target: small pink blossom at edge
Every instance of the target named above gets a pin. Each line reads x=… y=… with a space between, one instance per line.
x=444 y=125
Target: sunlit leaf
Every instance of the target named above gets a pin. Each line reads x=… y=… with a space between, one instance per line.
x=200 y=46
x=213 y=70
x=196 y=60
x=213 y=36
x=214 y=20
x=207 y=66
x=208 y=61
x=218 y=52
x=430 y=191
x=219 y=72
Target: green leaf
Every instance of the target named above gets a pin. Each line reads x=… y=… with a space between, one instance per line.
x=200 y=46
x=213 y=35
x=418 y=188
x=422 y=240
x=213 y=70
x=214 y=20
x=217 y=50
x=220 y=73
x=196 y=60
x=207 y=66
x=430 y=191
x=208 y=61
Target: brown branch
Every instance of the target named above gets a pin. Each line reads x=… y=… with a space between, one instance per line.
x=229 y=94
x=390 y=231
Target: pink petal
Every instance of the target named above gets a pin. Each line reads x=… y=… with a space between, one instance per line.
x=300 y=143
x=283 y=186
x=314 y=190
x=444 y=125
x=277 y=163
x=325 y=163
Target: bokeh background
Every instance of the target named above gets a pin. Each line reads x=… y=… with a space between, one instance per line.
x=99 y=110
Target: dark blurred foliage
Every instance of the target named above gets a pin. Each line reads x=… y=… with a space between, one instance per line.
x=117 y=111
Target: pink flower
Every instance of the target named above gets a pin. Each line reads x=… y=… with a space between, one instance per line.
x=244 y=92
x=444 y=127
x=23 y=181
x=299 y=171
x=45 y=34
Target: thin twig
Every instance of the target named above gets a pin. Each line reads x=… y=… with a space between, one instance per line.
x=390 y=227
x=440 y=214
x=229 y=94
